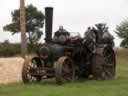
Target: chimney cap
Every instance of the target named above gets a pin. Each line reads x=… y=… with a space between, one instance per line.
x=48 y=7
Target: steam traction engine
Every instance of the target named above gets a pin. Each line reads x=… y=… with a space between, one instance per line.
x=67 y=58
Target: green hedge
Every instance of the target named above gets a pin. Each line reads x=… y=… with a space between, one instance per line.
x=7 y=50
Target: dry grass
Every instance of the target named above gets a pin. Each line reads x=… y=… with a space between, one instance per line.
x=10 y=69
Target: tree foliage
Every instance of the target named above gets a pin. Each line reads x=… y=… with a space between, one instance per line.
x=34 y=23
x=122 y=32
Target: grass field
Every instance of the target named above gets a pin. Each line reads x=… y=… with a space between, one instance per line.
x=117 y=87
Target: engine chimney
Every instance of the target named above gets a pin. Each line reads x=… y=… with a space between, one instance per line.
x=48 y=24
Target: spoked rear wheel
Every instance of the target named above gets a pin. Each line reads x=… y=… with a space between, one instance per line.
x=105 y=63
x=26 y=71
x=108 y=72
x=64 y=70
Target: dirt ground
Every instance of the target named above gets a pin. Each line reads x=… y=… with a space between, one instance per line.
x=10 y=69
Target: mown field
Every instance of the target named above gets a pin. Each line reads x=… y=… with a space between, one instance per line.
x=117 y=87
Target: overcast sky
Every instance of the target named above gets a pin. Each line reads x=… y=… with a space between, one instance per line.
x=74 y=15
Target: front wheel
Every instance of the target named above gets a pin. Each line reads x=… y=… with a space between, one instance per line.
x=64 y=70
